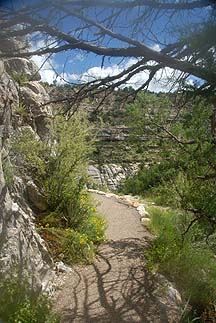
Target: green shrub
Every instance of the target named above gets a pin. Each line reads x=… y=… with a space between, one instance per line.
x=73 y=246
x=59 y=170
x=197 y=275
x=75 y=241
x=21 y=79
x=94 y=227
x=52 y=219
x=188 y=191
x=22 y=110
x=20 y=303
x=168 y=241
x=66 y=170
x=30 y=154
x=185 y=259
x=8 y=172
x=148 y=178
x=76 y=209
x=77 y=247
x=59 y=166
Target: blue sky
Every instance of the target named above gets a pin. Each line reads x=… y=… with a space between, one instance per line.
x=77 y=65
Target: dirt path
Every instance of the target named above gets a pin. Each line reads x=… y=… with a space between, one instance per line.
x=116 y=288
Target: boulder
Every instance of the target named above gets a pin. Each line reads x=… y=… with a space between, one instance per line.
x=1 y=68
x=62 y=268
x=8 y=90
x=22 y=67
x=141 y=210
x=168 y=289
x=37 y=88
x=43 y=125
x=22 y=246
x=36 y=198
x=145 y=221
x=12 y=45
x=34 y=97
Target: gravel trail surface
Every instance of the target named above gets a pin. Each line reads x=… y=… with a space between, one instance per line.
x=117 y=287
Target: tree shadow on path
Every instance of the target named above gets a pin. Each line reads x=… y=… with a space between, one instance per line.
x=116 y=288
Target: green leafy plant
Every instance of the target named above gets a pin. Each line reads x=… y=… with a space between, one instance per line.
x=77 y=247
x=22 y=110
x=74 y=246
x=183 y=257
x=21 y=303
x=69 y=225
x=94 y=227
x=66 y=169
x=148 y=178
x=58 y=167
x=31 y=153
x=21 y=79
x=8 y=172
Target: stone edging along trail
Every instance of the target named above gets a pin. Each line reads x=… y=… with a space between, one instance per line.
x=130 y=201
x=117 y=286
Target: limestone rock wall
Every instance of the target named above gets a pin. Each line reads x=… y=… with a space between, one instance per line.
x=20 y=106
x=111 y=176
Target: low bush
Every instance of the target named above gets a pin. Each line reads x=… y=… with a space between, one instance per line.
x=77 y=247
x=70 y=245
x=8 y=172
x=183 y=257
x=69 y=225
x=94 y=227
x=58 y=167
x=22 y=304
x=146 y=179
x=168 y=241
x=20 y=78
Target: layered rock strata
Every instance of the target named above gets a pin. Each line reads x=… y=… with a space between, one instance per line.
x=111 y=176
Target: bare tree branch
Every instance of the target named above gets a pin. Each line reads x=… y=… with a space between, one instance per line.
x=94 y=33
x=187 y=5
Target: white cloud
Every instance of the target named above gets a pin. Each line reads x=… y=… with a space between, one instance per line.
x=161 y=82
x=156 y=47
x=46 y=65
x=47 y=68
x=46 y=71
x=98 y=72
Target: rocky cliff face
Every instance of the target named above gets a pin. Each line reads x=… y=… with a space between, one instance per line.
x=21 y=97
x=111 y=176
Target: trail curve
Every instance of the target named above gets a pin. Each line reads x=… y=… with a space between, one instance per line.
x=117 y=287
